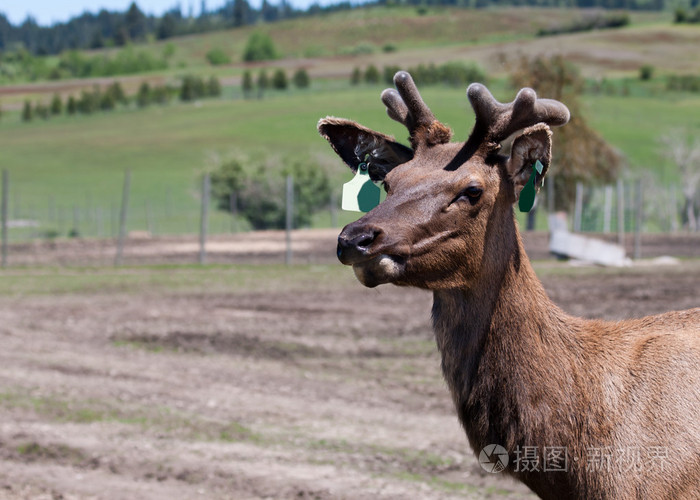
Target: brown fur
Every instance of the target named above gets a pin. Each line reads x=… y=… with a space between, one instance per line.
x=622 y=398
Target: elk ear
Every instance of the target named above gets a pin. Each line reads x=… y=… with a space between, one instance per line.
x=353 y=143
x=535 y=143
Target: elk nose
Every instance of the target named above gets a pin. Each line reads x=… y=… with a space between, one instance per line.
x=353 y=244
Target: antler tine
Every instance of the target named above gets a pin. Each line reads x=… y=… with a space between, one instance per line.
x=495 y=121
x=396 y=108
x=406 y=106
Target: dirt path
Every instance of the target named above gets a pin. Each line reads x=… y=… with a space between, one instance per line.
x=310 y=246
x=250 y=382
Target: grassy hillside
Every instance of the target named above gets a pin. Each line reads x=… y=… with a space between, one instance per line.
x=72 y=167
x=79 y=161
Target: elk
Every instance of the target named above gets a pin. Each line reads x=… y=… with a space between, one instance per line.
x=619 y=402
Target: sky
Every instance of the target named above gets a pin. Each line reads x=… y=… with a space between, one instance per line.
x=47 y=12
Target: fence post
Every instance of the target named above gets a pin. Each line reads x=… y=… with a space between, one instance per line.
x=578 y=207
x=620 y=213
x=638 y=220
x=76 y=221
x=204 y=221
x=607 y=211
x=5 y=196
x=233 y=207
x=289 y=219
x=672 y=209
x=122 y=218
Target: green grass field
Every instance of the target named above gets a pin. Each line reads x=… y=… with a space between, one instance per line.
x=68 y=171
x=71 y=163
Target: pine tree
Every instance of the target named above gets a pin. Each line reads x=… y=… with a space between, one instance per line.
x=143 y=98
x=41 y=110
x=263 y=83
x=247 y=84
x=71 y=106
x=356 y=77
x=372 y=74
x=56 y=105
x=27 y=113
x=279 y=80
x=214 y=87
x=301 y=79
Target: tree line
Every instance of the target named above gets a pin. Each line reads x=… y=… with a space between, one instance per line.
x=21 y=64
x=113 y=28
x=454 y=74
x=191 y=88
x=91 y=101
x=116 y=29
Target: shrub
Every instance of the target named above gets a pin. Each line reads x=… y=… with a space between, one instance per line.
x=213 y=87
x=259 y=48
x=458 y=74
x=41 y=110
x=126 y=61
x=56 y=105
x=279 y=80
x=260 y=193
x=143 y=97
x=263 y=83
x=683 y=16
x=192 y=88
x=161 y=94
x=247 y=84
x=453 y=73
x=389 y=48
x=71 y=105
x=685 y=83
x=217 y=57
x=646 y=72
x=89 y=102
x=372 y=74
x=301 y=79
x=389 y=72
x=117 y=93
x=356 y=76
x=27 y=113
x=107 y=102
x=594 y=21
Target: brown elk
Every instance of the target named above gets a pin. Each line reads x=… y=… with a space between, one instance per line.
x=585 y=409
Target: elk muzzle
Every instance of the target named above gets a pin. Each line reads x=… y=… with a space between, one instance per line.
x=355 y=242
x=365 y=248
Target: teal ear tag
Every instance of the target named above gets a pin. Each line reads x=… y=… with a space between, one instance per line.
x=527 y=195
x=360 y=194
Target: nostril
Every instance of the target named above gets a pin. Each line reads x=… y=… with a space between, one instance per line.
x=365 y=240
x=355 y=243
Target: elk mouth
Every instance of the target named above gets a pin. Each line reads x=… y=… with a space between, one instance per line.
x=373 y=257
x=380 y=269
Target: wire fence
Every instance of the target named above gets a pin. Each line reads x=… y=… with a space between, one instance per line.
x=632 y=206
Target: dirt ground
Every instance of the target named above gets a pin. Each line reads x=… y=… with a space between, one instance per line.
x=251 y=381
x=310 y=246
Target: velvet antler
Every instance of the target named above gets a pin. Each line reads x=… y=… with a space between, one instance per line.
x=406 y=106
x=496 y=121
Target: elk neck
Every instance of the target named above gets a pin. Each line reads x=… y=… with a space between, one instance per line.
x=505 y=346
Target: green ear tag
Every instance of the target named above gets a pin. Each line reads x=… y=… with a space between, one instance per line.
x=527 y=195
x=360 y=194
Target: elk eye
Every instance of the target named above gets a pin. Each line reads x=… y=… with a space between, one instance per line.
x=471 y=193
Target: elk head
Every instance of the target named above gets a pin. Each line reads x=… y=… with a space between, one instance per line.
x=448 y=204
